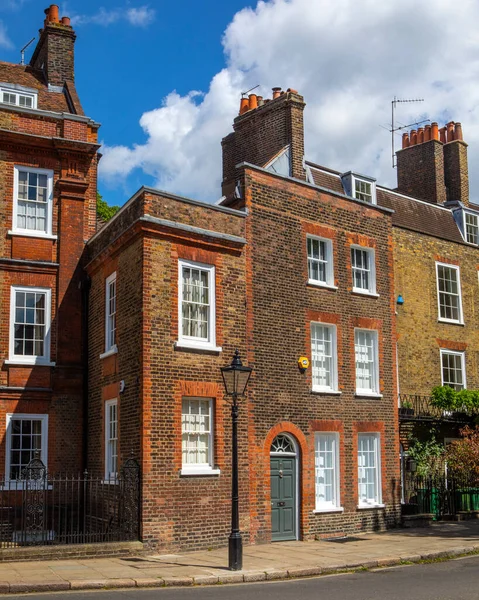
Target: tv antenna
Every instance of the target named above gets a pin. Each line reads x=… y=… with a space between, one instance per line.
x=22 y=51
x=393 y=124
x=243 y=94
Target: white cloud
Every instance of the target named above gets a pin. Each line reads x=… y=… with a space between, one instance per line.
x=5 y=41
x=348 y=58
x=138 y=17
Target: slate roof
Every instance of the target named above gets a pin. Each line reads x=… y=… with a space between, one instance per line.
x=33 y=78
x=409 y=213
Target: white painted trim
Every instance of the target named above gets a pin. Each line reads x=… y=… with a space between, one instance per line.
x=32 y=234
x=106 y=406
x=370 y=506
x=19 y=91
x=462 y=354
x=364 y=392
x=8 y=440
x=337 y=471
x=49 y=216
x=193 y=342
x=359 y=292
x=459 y=321
x=110 y=352
x=203 y=468
x=108 y=281
x=320 y=511
x=334 y=352
x=371 y=253
x=367 y=395
x=189 y=472
x=26 y=363
x=31 y=360
x=378 y=482
x=318 y=284
x=297 y=464
x=329 y=262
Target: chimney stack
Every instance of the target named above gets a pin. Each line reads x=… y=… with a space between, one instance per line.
x=432 y=164
x=54 y=51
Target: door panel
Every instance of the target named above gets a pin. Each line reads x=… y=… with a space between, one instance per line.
x=283 y=498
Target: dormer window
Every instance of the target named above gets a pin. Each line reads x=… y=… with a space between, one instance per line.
x=17 y=96
x=360 y=187
x=471 y=222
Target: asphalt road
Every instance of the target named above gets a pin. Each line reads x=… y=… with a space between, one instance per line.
x=450 y=580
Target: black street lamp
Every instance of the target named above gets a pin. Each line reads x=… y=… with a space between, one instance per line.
x=235 y=378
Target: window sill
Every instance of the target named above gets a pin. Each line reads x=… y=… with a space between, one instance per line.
x=370 y=506
x=184 y=345
x=323 y=392
x=205 y=471
x=333 y=509
x=33 y=234
x=364 y=293
x=110 y=352
x=110 y=481
x=32 y=363
x=368 y=395
x=451 y=322
x=318 y=284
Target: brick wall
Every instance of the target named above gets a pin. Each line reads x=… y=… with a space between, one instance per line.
x=54 y=53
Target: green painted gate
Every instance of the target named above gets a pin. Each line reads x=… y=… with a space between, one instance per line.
x=283 y=498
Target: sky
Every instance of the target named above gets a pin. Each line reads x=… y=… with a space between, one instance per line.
x=165 y=79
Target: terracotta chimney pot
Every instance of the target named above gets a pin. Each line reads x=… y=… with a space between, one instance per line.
x=413 y=137
x=420 y=135
x=291 y=91
x=442 y=135
x=405 y=140
x=260 y=101
x=450 y=131
x=427 y=133
x=52 y=16
x=458 y=131
x=276 y=92
x=434 y=131
x=253 y=101
x=66 y=21
x=244 y=105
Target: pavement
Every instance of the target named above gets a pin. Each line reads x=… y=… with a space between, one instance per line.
x=283 y=560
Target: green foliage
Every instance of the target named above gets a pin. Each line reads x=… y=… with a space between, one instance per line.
x=406 y=404
x=447 y=398
x=429 y=455
x=463 y=455
x=104 y=211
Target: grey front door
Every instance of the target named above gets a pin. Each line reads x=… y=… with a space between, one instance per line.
x=283 y=498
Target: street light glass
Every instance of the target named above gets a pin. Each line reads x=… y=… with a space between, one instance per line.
x=236 y=376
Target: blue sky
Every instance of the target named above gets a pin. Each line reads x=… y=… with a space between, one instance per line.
x=165 y=78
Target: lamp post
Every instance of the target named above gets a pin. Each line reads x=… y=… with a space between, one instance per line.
x=235 y=379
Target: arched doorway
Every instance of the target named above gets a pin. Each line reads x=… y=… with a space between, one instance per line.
x=284 y=488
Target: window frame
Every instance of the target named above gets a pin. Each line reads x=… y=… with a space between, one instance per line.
x=335 y=505
x=375 y=391
x=8 y=441
x=33 y=94
x=457 y=269
x=334 y=389
x=476 y=217
x=34 y=359
x=462 y=355
x=111 y=476
x=192 y=342
x=201 y=468
x=371 y=254
x=377 y=501
x=110 y=348
x=49 y=204
x=349 y=184
x=329 y=283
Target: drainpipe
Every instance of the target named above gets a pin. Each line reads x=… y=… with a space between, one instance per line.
x=85 y=288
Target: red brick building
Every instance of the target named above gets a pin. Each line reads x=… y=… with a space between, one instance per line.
x=48 y=166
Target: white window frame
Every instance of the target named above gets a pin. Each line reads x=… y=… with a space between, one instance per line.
x=110 y=475
x=462 y=355
x=334 y=359
x=377 y=500
x=8 y=441
x=17 y=92
x=30 y=360
x=335 y=504
x=329 y=262
x=476 y=225
x=185 y=341
x=457 y=269
x=200 y=468
x=371 y=254
x=49 y=208
x=375 y=390
x=110 y=348
x=349 y=183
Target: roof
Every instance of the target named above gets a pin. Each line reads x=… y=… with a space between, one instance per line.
x=27 y=76
x=409 y=213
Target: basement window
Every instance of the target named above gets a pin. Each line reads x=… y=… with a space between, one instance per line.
x=18 y=97
x=360 y=187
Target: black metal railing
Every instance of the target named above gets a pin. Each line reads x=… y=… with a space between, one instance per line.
x=443 y=495
x=40 y=508
x=416 y=407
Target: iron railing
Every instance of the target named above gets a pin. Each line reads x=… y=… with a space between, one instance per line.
x=41 y=508
x=415 y=407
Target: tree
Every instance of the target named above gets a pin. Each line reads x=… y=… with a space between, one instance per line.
x=103 y=210
x=463 y=455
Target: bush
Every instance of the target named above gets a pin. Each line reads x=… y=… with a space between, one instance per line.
x=447 y=398
x=462 y=456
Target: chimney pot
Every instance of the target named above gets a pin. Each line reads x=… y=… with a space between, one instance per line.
x=260 y=101
x=413 y=137
x=292 y=91
x=276 y=92
x=458 y=131
x=450 y=131
x=52 y=14
x=427 y=133
x=244 y=105
x=66 y=21
x=405 y=140
x=420 y=135
x=442 y=135
x=253 y=101
x=434 y=131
